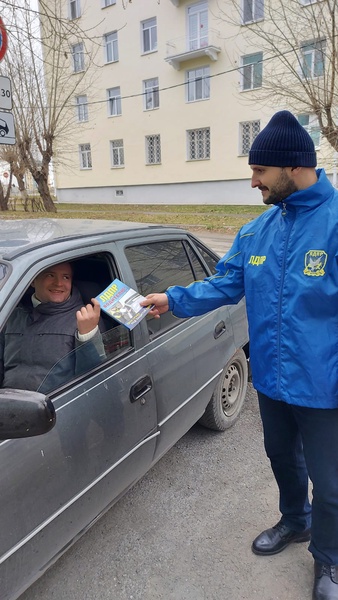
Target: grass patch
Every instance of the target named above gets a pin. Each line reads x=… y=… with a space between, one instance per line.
x=221 y=218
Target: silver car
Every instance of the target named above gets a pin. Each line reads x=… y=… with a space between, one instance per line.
x=68 y=454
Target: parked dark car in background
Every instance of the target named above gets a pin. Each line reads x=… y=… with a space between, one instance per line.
x=107 y=427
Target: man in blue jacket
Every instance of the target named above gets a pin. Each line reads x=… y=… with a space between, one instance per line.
x=285 y=262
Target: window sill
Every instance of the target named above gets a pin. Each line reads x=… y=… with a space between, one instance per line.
x=149 y=52
x=117 y=167
x=198 y=100
x=114 y=116
x=253 y=89
x=193 y=160
x=86 y=168
x=111 y=62
x=153 y=164
x=151 y=109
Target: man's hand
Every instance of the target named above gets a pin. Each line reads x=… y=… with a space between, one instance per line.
x=160 y=302
x=88 y=317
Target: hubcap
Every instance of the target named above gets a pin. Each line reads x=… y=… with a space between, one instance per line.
x=231 y=390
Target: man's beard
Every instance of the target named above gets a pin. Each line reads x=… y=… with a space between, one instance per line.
x=283 y=188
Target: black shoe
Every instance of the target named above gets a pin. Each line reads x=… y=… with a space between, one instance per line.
x=274 y=540
x=326 y=582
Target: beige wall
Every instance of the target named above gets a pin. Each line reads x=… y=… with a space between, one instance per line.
x=223 y=112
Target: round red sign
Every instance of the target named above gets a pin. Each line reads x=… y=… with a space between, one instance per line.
x=3 y=39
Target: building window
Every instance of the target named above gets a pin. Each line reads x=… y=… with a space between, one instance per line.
x=114 y=102
x=111 y=49
x=153 y=149
x=74 y=9
x=85 y=156
x=248 y=132
x=252 y=71
x=82 y=108
x=310 y=123
x=78 y=57
x=198 y=26
x=117 y=153
x=149 y=35
x=198 y=141
x=198 y=84
x=252 y=10
x=313 y=59
x=151 y=94
x=108 y=3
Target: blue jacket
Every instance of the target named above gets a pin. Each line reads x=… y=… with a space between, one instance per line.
x=285 y=263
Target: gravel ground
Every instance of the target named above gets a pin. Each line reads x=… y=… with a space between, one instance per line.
x=184 y=531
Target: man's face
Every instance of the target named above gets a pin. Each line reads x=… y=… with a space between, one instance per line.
x=54 y=284
x=275 y=183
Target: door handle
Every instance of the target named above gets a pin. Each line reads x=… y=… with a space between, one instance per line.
x=140 y=388
x=219 y=329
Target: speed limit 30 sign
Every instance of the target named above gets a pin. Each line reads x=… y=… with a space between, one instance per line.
x=5 y=93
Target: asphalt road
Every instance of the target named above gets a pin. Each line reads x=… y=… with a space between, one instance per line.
x=184 y=532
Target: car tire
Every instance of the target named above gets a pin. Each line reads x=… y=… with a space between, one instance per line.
x=227 y=400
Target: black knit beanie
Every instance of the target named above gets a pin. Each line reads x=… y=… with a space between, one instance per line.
x=283 y=143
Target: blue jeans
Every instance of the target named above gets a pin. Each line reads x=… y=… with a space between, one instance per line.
x=300 y=443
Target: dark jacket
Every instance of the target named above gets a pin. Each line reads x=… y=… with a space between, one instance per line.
x=35 y=339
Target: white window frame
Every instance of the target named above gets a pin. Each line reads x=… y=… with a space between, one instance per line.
x=250 y=129
x=252 y=11
x=311 y=125
x=85 y=153
x=151 y=94
x=111 y=48
x=106 y=3
x=114 y=101
x=314 y=49
x=82 y=108
x=198 y=84
x=153 y=149
x=252 y=71
x=198 y=26
x=149 y=35
x=117 y=154
x=198 y=144
x=77 y=51
x=74 y=9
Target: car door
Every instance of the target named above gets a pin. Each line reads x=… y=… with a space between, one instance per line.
x=186 y=356
x=54 y=486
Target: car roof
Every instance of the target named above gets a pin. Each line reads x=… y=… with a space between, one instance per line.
x=17 y=236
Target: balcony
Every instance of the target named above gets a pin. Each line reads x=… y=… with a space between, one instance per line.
x=184 y=49
x=176 y=2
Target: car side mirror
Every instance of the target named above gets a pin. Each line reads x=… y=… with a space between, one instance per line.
x=24 y=414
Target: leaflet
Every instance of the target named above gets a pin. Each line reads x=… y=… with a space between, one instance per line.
x=122 y=303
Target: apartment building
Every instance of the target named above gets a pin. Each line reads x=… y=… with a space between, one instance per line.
x=167 y=110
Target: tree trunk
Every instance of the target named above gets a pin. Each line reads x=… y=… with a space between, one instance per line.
x=3 y=201
x=44 y=192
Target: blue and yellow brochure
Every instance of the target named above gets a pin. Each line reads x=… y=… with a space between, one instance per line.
x=122 y=303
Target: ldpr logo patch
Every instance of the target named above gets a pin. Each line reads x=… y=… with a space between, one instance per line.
x=315 y=261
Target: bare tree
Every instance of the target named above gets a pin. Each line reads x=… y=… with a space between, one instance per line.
x=298 y=40
x=39 y=58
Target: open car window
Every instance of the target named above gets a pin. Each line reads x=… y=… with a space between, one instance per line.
x=85 y=358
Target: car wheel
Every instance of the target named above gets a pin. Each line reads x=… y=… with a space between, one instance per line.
x=2 y=132
x=227 y=400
